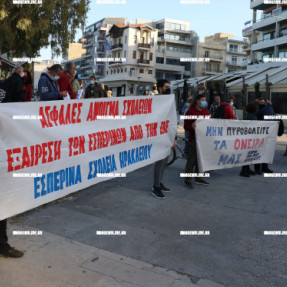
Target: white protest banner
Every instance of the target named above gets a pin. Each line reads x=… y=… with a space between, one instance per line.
x=74 y=143
x=228 y=143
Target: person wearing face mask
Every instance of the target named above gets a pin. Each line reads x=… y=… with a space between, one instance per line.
x=94 y=90
x=159 y=167
x=14 y=86
x=65 y=79
x=48 y=87
x=231 y=103
x=198 y=108
x=215 y=105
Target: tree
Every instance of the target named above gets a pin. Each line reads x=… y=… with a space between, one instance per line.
x=26 y=28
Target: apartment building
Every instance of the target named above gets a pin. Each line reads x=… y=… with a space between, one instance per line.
x=268 y=30
x=175 y=41
x=133 y=49
x=93 y=41
x=225 y=54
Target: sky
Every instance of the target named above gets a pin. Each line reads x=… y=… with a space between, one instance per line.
x=226 y=16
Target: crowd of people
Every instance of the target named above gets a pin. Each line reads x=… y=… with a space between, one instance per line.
x=59 y=83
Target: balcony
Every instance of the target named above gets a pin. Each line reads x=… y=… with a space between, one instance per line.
x=247 y=31
x=258 y=5
x=144 y=46
x=117 y=47
x=142 y=61
x=85 y=65
x=87 y=55
x=265 y=44
x=88 y=44
x=236 y=64
x=115 y=63
x=101 y=39
x=214 y=59
x=234 y=51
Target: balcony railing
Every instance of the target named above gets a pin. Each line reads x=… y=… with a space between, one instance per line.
x=142 y=45
x=116 y=46
x=142 y=61
x=114 y=62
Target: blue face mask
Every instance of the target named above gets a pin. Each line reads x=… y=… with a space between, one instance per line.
x=231 y=104
x=56 y=77
x=203 y=104
x=92 y=82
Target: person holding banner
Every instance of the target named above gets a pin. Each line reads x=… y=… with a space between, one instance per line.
x=64 y=81
x=265 y=109
x=199 y=108
x=48 y=87
x=251 y=110
x=159 y=167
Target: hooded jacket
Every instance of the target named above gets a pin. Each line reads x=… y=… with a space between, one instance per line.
x=48 y=88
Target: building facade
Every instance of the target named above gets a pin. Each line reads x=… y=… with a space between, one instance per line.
x=132 y=51
x=268 y=30
x=225 y=54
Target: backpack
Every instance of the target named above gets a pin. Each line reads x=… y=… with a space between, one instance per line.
x=220 y=112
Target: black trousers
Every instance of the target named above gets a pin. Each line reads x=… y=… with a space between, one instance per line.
x=3 y=234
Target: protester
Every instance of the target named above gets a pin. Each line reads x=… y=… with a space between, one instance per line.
x=198 y=108
x=27 y=86
x=14 y=86
x=231 y=103
x=185 y=108
x=146 y=93
x=108 y=91
x=94 y=90
x=154 y=90
x=48 y=87
x=76 y=85
x=224 y=111
x=64 y=81
x=214 y=106
x=14 y=93
x=159 y=167
x=265 y=109
x=251 y=110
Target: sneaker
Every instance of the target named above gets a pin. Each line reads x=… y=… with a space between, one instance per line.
x=157 y=193
x=11 y=252
x=267 y=170
x=244 y=174
x=200 y=181
x=189 y=184
x=163 y=188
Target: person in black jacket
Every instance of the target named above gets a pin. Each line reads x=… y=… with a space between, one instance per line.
x=14 y=93
x=14 y=86
x=94 y=90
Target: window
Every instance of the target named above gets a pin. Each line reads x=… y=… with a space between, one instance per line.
x=171 y=61
x=233 y=48
x=142 y=39
x=125 y=69
x=107 y=72
x=126 y=39
x=160 y=60
x=283 y=32
x=125 y=54
x=150 y=72
x=141 y=71
x=119 y=55
x=134 y=54
x=207 y=67
x=150 y=56
x=132 y=72
x=206 y=54
x=234 y=59
x=135 y=39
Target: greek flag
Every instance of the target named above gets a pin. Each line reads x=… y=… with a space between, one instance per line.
x=108 y=45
